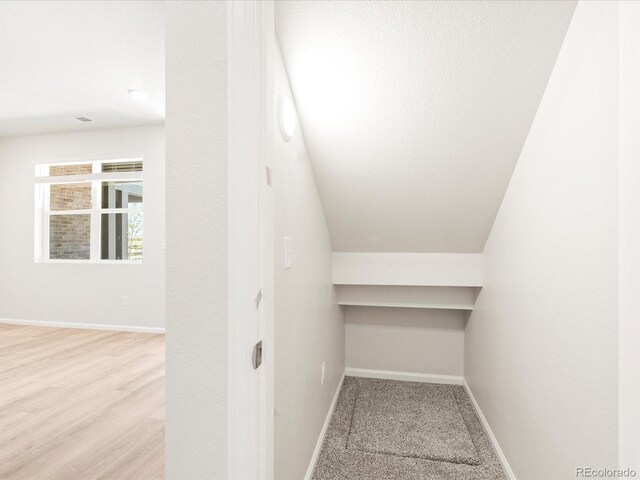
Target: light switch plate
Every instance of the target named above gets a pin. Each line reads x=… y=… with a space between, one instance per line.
x=287 y=252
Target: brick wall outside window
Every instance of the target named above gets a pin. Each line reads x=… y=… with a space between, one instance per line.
x=69 y=235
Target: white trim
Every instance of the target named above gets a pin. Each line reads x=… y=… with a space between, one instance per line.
x=89 y=211
x=266 y=228
x=51 y=213
x=91 y=262
x=136 y=176
x=403 y=376
x=83 y=326
x=323 y=432
x=487 y=429
x=83 y=160
x=250 y=246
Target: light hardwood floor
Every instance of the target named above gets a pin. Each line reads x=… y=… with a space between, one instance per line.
x=80 y=404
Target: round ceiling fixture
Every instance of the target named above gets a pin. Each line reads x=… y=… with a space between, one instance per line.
x=286 y=118
x=138 y=94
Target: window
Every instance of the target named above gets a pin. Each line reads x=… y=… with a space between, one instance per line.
x=89 y=211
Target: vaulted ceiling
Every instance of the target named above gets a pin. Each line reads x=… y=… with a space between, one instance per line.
x=65 y=59
x=415 y=113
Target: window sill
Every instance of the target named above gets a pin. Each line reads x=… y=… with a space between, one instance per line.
x=93 y=262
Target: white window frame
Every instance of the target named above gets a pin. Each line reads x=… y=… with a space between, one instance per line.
x=43 y=212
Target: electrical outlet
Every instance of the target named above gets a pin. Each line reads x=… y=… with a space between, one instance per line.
x=125 y=301
x=323 y=368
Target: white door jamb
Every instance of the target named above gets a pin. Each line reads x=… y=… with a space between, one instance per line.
x=250 y=226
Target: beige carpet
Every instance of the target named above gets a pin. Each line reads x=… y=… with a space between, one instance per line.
x=384 y=429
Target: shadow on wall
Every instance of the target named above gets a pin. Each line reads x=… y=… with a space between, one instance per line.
x=418 y=318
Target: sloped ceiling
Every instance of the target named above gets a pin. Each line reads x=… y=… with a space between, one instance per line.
x=65 y=59
x=415 y=113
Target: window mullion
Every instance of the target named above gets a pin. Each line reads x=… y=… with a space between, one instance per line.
x=96 y=203
x=46 y=226
x=46 y=204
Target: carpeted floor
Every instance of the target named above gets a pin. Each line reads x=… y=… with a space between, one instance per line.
x=384 y=429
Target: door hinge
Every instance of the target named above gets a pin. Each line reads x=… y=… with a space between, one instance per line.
x=257 y=355
x=269 y=174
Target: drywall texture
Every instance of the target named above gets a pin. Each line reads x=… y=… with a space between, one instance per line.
x=415 y=112
x=196 y=146
x=541 y=345
x=309 y=325
x=405 y=340
x=629 y=235
x=80 y=293
x=90 y=54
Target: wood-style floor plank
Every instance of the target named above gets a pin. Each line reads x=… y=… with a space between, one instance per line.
x=81 y=404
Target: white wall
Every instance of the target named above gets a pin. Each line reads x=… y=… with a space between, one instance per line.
x=80 y=293
x=629 y=333
x=197 y=311
x=405 y=340
x=438 y=269
x=309 y=325
x=541 y=346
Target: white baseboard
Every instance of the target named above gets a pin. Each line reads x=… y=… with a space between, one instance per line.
x=323 y=432
x=403 y=376
x=88 y=326
x=487 y=429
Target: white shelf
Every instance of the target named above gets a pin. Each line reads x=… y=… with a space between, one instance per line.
x=438 y=281
x=405 y=284
x=408 y=296
x=407 y=305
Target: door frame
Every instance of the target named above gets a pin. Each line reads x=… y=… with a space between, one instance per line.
x=251 y=40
